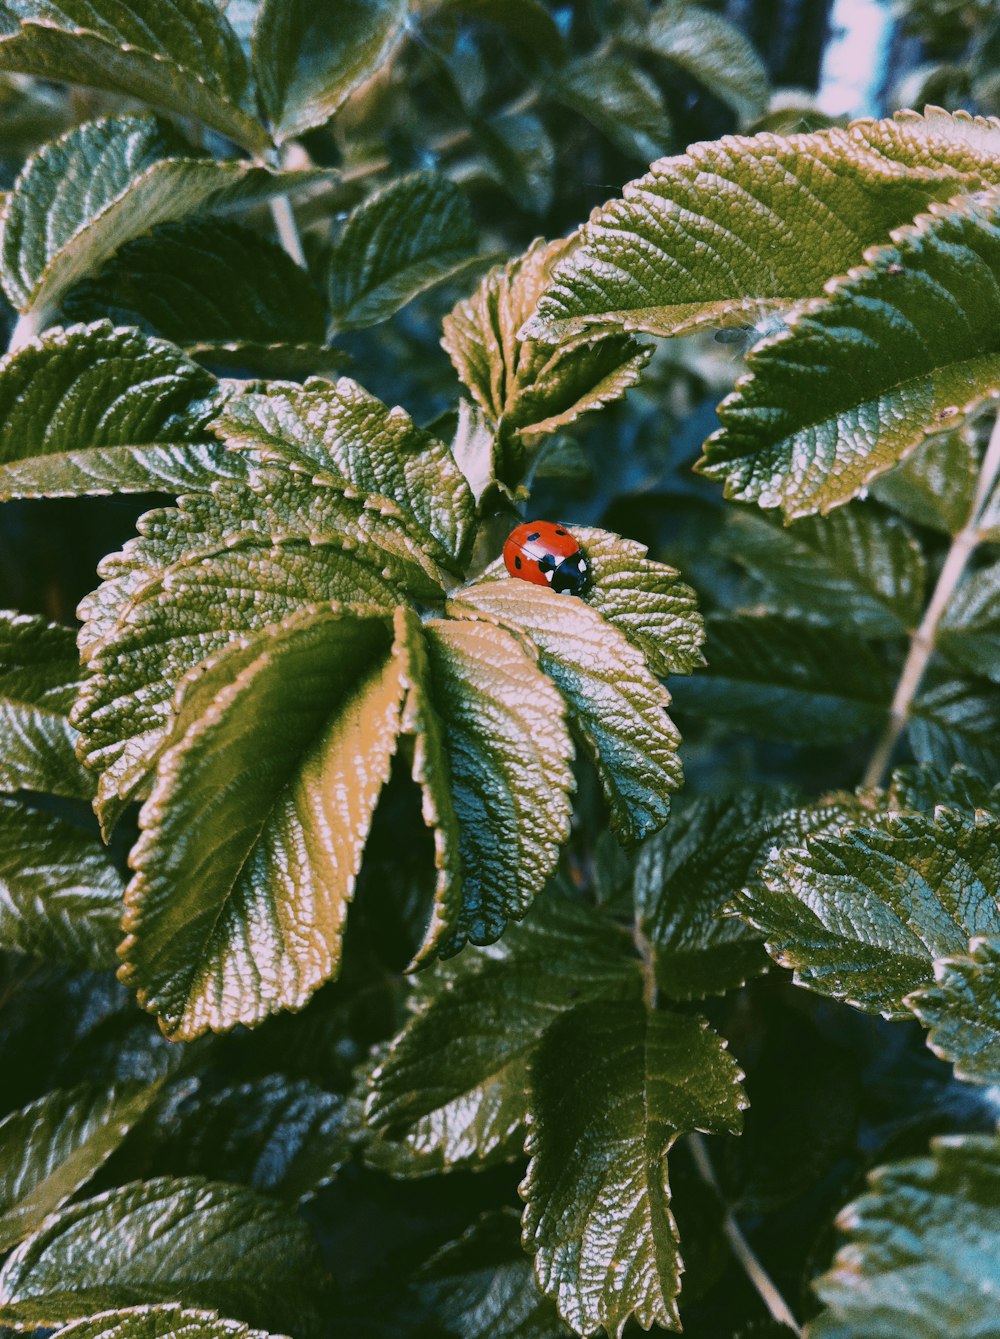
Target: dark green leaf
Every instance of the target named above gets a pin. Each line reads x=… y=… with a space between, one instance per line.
x=896 y=348
x=731 y=225
x=527 y=21
x=344 y=435
x=245 y=868
x=864 y=915
x=785 y=680
x=924 y=788
x=612 y=1087
x=180 y=1240
x=181 y=55
x=101 y=184
x=857 y=568
x=203 y=282
x=97 y=410
x=969 y=632
x=683 y=878
x=619 y=98
x=54 y=1146
x=402 y=240
x=923 y=1256
x=962 y=1011
x=283 y=1136
x=615 y=704
x=935 y=484
x=710 y=49
x=453 y=1086
x=309 y=58
x=39 y=679
x=956 y=721
x=159 y=1322
x=482 y=1286
x=60 y=894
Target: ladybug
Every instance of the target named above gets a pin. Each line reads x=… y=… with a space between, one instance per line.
x=547 y=555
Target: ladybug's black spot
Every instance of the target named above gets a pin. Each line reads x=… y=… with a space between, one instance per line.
x=560 y=531
x=546 y=563
x=517 y=563
x=537 y=535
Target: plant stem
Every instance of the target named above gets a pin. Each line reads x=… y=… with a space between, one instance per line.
x=922 y=645
x=645 y=948
x=741 y=1248
x=288 y=233
x=29 y=324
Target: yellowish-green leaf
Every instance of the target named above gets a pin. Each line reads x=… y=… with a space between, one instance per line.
x=897 y=348
x=740 y=222
x=616 y=705
x=180 y=55
x=252 y=837
x=508 y=753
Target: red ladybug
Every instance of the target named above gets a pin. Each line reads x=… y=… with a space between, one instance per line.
x=547 y=555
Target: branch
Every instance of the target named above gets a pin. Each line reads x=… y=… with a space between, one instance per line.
x=924 y=639
x=288 y=233
x=741 y=1248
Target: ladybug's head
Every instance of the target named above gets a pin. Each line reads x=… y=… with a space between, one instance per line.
x=570 y=575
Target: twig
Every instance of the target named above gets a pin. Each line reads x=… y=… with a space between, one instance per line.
x=741 y=1248
x=288 y=233
x=924 y=639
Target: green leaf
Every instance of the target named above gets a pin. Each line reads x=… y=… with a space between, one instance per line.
x=183 y=1240
x=180 y=55
x=212 y=573
x=243 y=873
x=731 y=225
x=935 y=484
x=784 y=680
x=962 y=1011
x=710 y=49
x=924 y=788
x=97 y=410
x=521 y=157
x=452 y=1088
x=159 y=1322
x=684 y=877
x=39 y=679
x=482 y=1286
x=619 y=99
x=857 y=568
x=505 y=744
x=923 y=1255
x=343 y=435
x=60 y=893
x=204 y=283
x=898 y=347
x=80 y=197
x=644 y=599
x=54 y=1146
x=405 y=238
x=308 y=59
x=956 y=721
x=527 y=388
x=615 y=704
x=528 y=22
x=969 y=632
x=862 y=916
x=283 y=1136
x=597 y=1203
